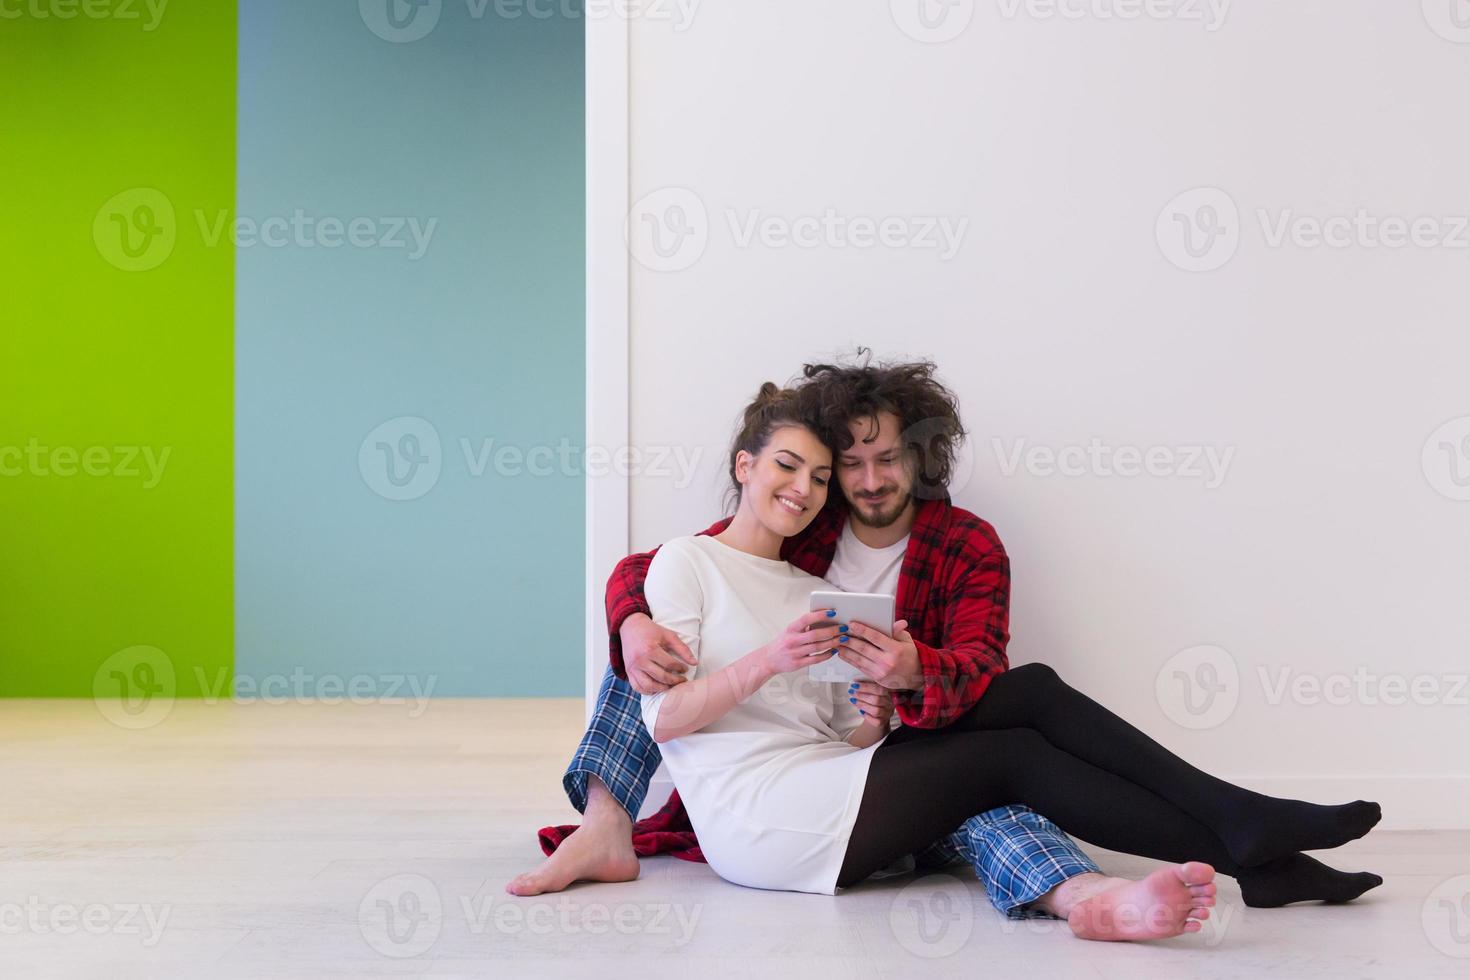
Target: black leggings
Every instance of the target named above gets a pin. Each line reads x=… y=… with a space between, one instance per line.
x=1033 y=740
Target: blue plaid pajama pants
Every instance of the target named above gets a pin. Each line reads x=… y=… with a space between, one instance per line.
x=1018 y=854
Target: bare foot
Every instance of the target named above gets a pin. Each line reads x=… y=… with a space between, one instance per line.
x=587 y=855
x=1170 y=901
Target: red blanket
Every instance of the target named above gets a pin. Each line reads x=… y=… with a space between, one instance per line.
x=666 y=832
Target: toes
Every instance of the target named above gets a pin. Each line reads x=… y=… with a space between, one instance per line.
x=1192 y=926
x=1196 y=872
x=525 y=884
x=1200 y=914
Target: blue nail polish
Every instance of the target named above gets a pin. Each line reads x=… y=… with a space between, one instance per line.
x=861 y=711
x=842 y=629
x=835 y=650
x=831 y=613
x=853 y=700
x=842 y=639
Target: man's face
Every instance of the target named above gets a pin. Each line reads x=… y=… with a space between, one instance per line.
x=874 y=473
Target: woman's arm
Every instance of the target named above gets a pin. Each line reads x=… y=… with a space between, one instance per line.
x=676 y=599
x=690 y=706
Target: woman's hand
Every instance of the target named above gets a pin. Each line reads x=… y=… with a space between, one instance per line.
x=803 y=643
x=874 y=701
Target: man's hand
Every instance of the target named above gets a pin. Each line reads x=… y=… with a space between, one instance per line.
x=892 y=661
x=654 y=658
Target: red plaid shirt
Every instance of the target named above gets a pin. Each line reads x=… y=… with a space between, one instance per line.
x=953 y=588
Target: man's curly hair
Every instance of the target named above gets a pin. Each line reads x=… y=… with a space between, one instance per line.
x=928 y=413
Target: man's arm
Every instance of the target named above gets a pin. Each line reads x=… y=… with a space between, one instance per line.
x=972 y=643
x=624 y=597
x=934 y=684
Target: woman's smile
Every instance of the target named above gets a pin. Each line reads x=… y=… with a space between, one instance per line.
x=790 y=504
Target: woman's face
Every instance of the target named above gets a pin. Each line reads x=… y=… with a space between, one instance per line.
x=786 y=484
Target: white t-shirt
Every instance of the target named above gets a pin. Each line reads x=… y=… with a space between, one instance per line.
x=771 y=788
x=859 y=568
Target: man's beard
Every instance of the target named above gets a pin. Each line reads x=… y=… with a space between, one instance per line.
x=882 y=518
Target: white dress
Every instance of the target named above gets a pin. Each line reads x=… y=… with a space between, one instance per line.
x=771 y=788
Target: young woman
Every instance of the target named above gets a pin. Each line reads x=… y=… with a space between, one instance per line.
x=791 y=784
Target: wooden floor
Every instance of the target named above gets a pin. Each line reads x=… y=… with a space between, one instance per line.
x=311 y=840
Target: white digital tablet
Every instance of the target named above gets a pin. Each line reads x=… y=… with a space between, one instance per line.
x=867 y=608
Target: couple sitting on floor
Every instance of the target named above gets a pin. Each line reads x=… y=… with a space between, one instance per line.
x=804 y=786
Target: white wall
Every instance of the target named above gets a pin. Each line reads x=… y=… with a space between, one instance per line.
x=1061 y=318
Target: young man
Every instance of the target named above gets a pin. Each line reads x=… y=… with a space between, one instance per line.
x=891 y=530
